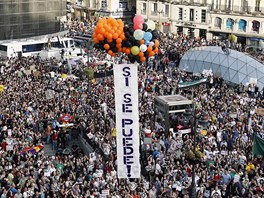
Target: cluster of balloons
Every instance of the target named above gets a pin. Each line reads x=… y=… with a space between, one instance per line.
x=108 y=35
x=141 y=39
x=138 y=40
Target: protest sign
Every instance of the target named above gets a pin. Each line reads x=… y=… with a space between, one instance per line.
x=127 y=121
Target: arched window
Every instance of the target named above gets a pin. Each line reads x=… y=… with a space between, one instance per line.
x=242 y=25
x=229 y=24
x=218 y=22
x=255 y=26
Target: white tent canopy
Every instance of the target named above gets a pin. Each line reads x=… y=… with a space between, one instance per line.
x=236 y=67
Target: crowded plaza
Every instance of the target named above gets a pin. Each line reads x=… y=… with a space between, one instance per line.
x=37 y=93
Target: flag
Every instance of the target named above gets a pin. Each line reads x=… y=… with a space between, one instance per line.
x=258 y=145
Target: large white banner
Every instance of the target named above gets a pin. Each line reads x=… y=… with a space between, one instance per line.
x=127 y=120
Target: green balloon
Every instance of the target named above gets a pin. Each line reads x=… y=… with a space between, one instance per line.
x=135 y=50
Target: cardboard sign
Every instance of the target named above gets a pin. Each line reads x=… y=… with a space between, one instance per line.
x=260 y=111
x=105 y=192
x=49 y=94
x=36 y=74
x=253 y=81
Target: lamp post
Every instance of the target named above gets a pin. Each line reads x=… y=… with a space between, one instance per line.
x=159 y=12
x=193 y=116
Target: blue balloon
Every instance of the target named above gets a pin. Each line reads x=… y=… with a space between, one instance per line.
x=147 y=43
x=147 y=36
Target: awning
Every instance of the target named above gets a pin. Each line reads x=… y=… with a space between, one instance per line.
x=254 y=39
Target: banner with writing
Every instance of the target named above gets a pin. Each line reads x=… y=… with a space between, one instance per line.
x=127 y=120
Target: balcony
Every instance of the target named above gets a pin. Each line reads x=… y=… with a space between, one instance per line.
x=155 y=13
x=143 y=12
x=117 y=14
x=186 y=2
x=237 y=9
x=165 y=14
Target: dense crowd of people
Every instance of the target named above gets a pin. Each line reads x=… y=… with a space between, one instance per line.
x=36 y=95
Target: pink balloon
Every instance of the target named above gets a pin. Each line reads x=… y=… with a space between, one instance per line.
x=138 y=19
x=138 y=26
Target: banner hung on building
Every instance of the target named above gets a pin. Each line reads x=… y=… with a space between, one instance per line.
x=127 y=120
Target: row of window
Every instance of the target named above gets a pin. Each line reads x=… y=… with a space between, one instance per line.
x=155 y=11
x=191 y=15
x=242 y=24
x=39 y=46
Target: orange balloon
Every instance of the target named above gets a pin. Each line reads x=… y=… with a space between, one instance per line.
x=122 y=36
x=156 y=50
x=106 y=34
x=96 y=40
x=107 y=28
x=124 y=49
x=118 y=40
x=100 y=37
x=120 y=49
x=109 y=40
x=151 y=53
x=102 y=30
x=119 y=45
x=141 y=42
x=109 y=36
x=109 y=20
x=115 y=36
x=142 y=59
x=156 y=43
x=106 y=46
x=97 y=30
x=140 y=54
x=114 y=54
x=127 y=51
x=149 y=49
x=100 y=24
x=110 y=52
x=118 y=32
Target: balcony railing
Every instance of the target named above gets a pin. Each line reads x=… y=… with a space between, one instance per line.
x=154 y=13
x=237 y=9
x=165 y=14
x=143 y=12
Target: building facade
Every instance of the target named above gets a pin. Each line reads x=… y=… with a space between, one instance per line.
x=213 y=19
x=21 y=19
x=92 y=9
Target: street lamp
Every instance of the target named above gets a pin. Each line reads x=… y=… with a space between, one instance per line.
x=159 y=12
x=193 y=117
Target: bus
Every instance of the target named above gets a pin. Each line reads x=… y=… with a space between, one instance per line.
x=82 y=40
x=25 y=47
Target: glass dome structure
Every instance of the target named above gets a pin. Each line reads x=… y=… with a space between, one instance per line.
x=234 y=66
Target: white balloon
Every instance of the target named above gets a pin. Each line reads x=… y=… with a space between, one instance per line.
x=151 y=25
x=138 y=34
x=143 y=48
